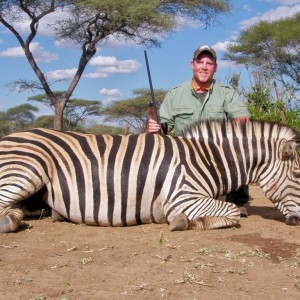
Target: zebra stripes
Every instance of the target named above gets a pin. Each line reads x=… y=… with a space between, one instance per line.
x=120 y=180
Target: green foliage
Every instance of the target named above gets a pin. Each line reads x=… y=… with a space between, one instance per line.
x=95 y=128
x=45 y=100
x=262 y=106
x=76 y=110
x=17 y=118
x=133 y=112
x=234 y=81
x=154 y=17
x=293 y=118
x=45 y=121
x=126 y=16
x=23 y=113
x=260 y=97
x=275 y=45
x=262 y=103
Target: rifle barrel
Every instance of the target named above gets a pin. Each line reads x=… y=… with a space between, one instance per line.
x=152 y=103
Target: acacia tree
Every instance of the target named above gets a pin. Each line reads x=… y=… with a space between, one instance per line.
x=133 y=112
x=88 y=23
x=271 y=46
x=76 y=110
x=272 y=50
x=17 y=118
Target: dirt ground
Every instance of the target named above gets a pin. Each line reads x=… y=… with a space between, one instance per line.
x=258 y=260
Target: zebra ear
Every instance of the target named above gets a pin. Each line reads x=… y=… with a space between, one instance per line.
x=288 y=149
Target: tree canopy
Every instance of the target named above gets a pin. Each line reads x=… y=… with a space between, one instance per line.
x=88 y=23
x=76 y=110
x=274 y=46
x=133 y=112
x=17 y=118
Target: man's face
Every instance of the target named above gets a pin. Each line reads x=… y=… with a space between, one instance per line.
x=204 y=68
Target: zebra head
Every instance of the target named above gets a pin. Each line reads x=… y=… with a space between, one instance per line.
x=282 y=185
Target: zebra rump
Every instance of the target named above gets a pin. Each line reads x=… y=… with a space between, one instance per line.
x=122 y=180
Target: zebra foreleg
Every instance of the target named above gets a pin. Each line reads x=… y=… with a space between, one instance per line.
x=10 y=220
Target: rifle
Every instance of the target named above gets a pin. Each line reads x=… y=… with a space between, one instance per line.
x=152 y=104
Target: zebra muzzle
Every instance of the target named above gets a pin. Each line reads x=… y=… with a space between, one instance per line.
x=293 y=219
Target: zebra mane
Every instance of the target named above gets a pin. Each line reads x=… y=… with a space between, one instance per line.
x=207 y=130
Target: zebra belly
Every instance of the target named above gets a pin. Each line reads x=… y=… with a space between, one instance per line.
x=108 y=216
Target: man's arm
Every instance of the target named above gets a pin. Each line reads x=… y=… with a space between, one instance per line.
x=233 y=105
x=241 y=119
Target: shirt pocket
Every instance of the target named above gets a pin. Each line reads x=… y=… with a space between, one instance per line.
x=215 y=113
x=183 y=117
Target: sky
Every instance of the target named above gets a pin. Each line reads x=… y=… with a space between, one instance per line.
x=117 y=70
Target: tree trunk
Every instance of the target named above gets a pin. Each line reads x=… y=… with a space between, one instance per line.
x=58 y=116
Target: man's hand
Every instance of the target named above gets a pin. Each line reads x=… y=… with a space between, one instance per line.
x=152 y=126
x=241 y=119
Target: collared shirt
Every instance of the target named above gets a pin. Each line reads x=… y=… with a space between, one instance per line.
x=181 y=106
x=198 y=89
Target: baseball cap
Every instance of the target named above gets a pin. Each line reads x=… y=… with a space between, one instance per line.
x=205 y=48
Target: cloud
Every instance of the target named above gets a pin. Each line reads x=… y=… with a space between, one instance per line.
x=13 y=52
x=221 y=46
x=106 y=65
x=115 y=93
x=278 y=13
x=61 y=74
x=112 y=94
x=283 y=2
x=103 y=61
x=38 y=52
x=247 y=8
x=66 y=44
x=223 y=64
x=45 y=26
x=183 y=21
x=97 y=74
x=22 y=25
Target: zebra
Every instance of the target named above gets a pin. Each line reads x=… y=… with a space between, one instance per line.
x=123 y=180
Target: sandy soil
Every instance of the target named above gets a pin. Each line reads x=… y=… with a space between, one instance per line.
x=258 y=260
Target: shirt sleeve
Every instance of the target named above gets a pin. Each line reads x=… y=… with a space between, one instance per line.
x=234 y=106
x=166 y=111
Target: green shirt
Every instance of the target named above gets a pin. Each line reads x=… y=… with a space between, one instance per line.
x=181 y=106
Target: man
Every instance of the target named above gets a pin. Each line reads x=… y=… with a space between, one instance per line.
x=203 y=98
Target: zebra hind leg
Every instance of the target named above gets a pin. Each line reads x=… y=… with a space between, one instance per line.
x=56 y=217
x=181 y=222
x=36 y=206
x=10 y=220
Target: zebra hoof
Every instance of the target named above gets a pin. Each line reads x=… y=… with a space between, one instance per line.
x=56 y=217
x=9 y=224
x=244 y=212
x=179 y=223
